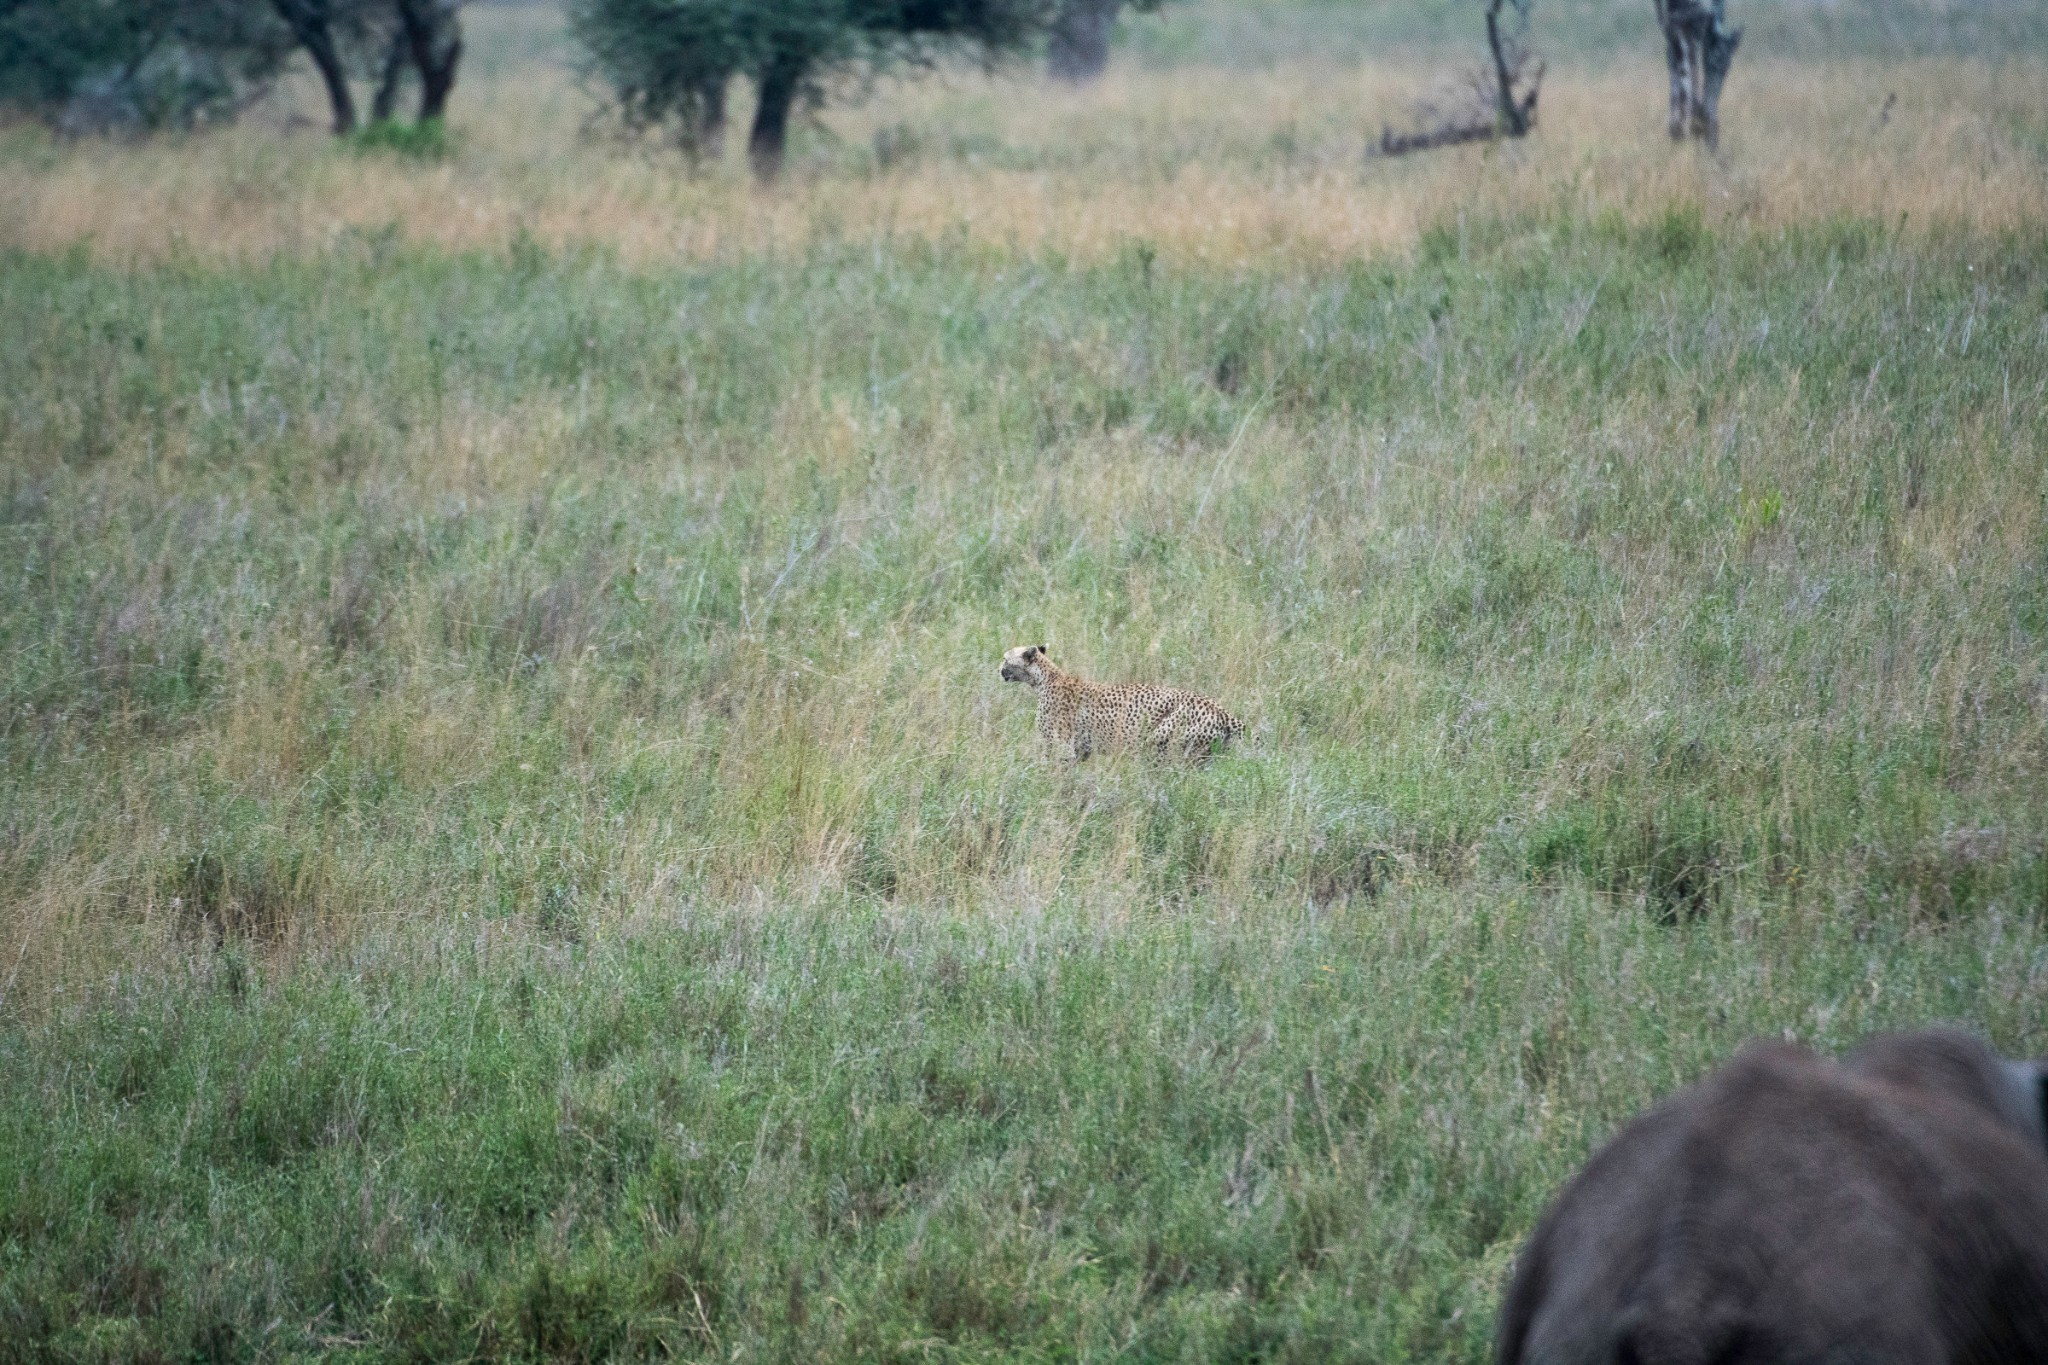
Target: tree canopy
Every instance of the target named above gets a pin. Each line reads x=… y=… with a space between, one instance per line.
x=669 y=61
x=89 y=65
x=93 y=65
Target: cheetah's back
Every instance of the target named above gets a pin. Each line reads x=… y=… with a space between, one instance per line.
x=1142 y=715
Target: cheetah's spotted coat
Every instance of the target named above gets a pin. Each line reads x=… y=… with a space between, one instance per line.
x=1082 y=717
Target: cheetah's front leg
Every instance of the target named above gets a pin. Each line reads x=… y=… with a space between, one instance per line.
x=1166 y=732
x=1179 y=731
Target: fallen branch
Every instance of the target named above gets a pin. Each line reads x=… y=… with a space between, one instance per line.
x=1452 y=134
x=1503 y=108
x=1400 y=144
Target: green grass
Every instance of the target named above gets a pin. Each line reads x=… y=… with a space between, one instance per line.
x=425 y=140
x=516 y=847
x=864 y=1134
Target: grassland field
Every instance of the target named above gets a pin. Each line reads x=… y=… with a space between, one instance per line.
x=513 y=846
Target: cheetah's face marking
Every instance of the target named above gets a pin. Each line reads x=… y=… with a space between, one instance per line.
x=1024 y=664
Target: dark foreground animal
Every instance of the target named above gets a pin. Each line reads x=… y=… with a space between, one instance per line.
x=1887 y=1209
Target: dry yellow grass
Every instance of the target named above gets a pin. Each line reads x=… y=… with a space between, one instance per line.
x=1202 y=164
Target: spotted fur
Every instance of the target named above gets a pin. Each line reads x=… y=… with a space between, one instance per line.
x=1081 y=717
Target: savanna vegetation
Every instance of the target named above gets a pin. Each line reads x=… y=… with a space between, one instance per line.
x=512 y=843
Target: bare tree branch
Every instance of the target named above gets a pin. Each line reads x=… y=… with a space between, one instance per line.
x=1501 y=107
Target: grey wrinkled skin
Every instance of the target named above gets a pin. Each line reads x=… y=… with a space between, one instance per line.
x=1890 y=1208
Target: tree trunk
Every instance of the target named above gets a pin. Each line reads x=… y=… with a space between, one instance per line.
x=1699 y=47
x=709 y=134
x=307 y=19
x=1714 y=64
x=387 y=86
x=1077 y=48
x=1677 y=62
x=1513 y=118
x=780 y=81
x=435 y=35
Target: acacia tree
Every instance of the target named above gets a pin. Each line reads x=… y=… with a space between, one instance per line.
x=86 y=65
x=669 y=62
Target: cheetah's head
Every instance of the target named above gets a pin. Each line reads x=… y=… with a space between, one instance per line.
x=1025 y=664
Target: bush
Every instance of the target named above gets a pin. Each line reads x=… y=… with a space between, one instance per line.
x=426 y=140
x=669 y=61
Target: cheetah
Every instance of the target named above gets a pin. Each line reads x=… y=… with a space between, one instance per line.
x=1084 y=717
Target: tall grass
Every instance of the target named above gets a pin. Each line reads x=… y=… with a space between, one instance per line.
x=1671 y=558
x=865 y=1133
x=513 y=843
